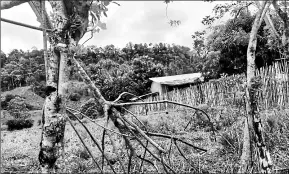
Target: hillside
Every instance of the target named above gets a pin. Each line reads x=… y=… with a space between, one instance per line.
x=31 y=99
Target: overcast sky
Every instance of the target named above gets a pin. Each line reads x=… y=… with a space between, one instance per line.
x=133 y=21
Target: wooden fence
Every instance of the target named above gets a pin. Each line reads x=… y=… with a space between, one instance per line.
x=227 y=91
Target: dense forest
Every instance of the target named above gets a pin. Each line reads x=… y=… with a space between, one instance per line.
x=220 y=49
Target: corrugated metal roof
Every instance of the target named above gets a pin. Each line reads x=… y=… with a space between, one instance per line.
x=179 y=79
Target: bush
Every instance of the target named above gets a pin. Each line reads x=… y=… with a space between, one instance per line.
x=17 y=108
x=8 y=97
x=92 y=109
x=82 y=153
x=18 y=124
x=74 y=97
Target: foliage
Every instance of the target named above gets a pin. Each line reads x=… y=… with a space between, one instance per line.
x=22 y=69
x=222 y=48
x=91 y=109
x=17 y=108
x=6 y=100
x=18 y=124
x=74 y=97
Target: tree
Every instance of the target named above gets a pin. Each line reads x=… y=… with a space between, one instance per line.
x=229 y=40
x=70 y=21
x=253 y=127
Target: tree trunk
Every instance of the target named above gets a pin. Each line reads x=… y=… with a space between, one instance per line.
x=253 y=124
x=54 y=112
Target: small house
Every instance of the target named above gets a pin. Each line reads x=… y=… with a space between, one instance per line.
x=167 y=83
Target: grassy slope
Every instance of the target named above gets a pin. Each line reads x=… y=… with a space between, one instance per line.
x=20 y=148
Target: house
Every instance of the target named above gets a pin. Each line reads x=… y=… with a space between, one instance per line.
x=167 y=83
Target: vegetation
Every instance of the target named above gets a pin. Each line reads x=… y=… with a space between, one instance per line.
x=116 y=72
x=18 y=124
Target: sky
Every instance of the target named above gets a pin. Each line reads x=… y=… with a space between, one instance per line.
x=132 y=21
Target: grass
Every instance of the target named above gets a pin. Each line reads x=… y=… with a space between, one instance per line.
x=20 y=148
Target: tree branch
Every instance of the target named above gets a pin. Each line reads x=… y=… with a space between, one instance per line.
x=68 y=109
x=269 y=21
x=82 y=141
x=9 y=4
x=175 y=139
x=166 y=101
x=142 y=133
x=93 y=139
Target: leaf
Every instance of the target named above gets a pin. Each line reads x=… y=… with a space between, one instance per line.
x=96 y=30
x=116 y=3
x=101 y=25
x=106 y=3
x=105 y=14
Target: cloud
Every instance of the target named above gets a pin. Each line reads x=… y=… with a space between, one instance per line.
x=133 y=21
x=14 y=36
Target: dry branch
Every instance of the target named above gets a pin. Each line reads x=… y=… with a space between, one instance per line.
x=89 y=152
x=172 y=102
x=105 y=128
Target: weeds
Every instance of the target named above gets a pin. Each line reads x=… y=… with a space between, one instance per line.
x=82 y=153
x=18 y=124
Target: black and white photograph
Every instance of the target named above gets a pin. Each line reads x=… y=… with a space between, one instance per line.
x=156 y=86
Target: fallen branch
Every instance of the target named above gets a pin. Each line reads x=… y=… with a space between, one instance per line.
x=183 y=155
x=140 y=142
x=97 y=123
x=142 y=133
x=122 y=94
x=89 y=152
x=175 y=139
x=171 y=102
x=95 y=142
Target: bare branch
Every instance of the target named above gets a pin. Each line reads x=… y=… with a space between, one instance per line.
x=95 y=142
x=25 y=25
x=96 y=92
x=142 y=133
x=38 y=8
x=122 y=94
x=175 y=139
x=269 y=22
x=264 y=12
x=134 y=117
x=89 y=152
x=141 y=143
x=95 y=122
x=115 y=141
x=167 y=101
x=183 y=155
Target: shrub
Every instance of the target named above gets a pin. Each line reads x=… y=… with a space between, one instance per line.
x=74 y=97
x=9 y=97
x=18 y=124
x=17 y=108
x=82 y=153
x=4 y=103
x=91 y=109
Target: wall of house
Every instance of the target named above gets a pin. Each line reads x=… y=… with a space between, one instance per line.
x=156 y=87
